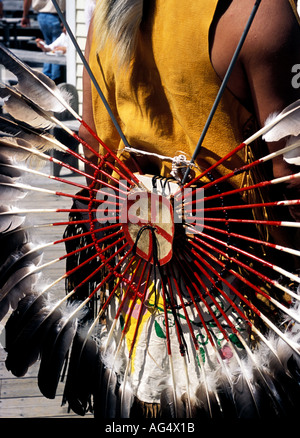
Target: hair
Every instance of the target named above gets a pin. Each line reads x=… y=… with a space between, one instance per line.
x=118 y=21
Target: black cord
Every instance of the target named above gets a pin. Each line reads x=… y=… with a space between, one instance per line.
x=222 y=88
x=90 y=73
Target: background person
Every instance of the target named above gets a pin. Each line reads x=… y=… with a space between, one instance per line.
x=50 y=26
x=59 y=45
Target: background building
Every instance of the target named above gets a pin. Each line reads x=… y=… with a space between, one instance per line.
x=75 y=14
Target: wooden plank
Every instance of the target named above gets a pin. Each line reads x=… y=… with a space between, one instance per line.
x=20 y=397
x=5 y=374
x=33 y=407
x=15 y=388
x=36 y=57
x=13 y=5
x=24 y=387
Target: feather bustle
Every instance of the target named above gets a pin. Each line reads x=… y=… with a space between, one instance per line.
x=81 y=374
x=23 y=109
x=56 y=348
x=27 y=348
x=170 y=407
x=32 y=83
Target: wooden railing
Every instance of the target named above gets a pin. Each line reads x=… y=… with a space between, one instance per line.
x=12 y=34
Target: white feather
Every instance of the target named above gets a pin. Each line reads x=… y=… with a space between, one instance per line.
x=293 y=156
x=283 y=124
x=19 y=107
x=9 y=222
x=20 y=290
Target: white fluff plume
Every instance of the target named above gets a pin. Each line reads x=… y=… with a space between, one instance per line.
x=283 y=124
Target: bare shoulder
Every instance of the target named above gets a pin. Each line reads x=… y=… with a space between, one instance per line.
x=270 y=49
x=273 y=23
x=274 y=28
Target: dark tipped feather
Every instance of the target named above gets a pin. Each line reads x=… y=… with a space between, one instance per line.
x=274 y=398
x=27 y=307
x=11 y=242
x=245 y=400
x=106 y=393
x=24 y=135
x=207 y=403
x=23 y=288
x=24 y=255
x=33 y=84
x=97 y=388
x=16 y=271
x=16 y=276
x=23 y=109
x=27 y=346
x=13 y=128
x=81 y=375
x=226 y=399
x=6 y=167
x=9 y=191
x=110 y=392
x=9 y=220
x=53 y=355
x=171 y=408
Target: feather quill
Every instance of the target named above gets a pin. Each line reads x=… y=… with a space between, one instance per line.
x=27 y=307
x=11 y=242
x=23 y=109
x=18 y=278
x=7 y=166
x=23 y=255
x=21 y=289
x=56 y=348
x=169 y=407
x=109 y=394
x=32 y=83
x=208 y=405
x=293 y=156
x=81 y=374
x=125 y=399
x=9 y=190
x=27 y=346
x=25 y=135
x=283 y=124
x=9 y=220
x=226 y=397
